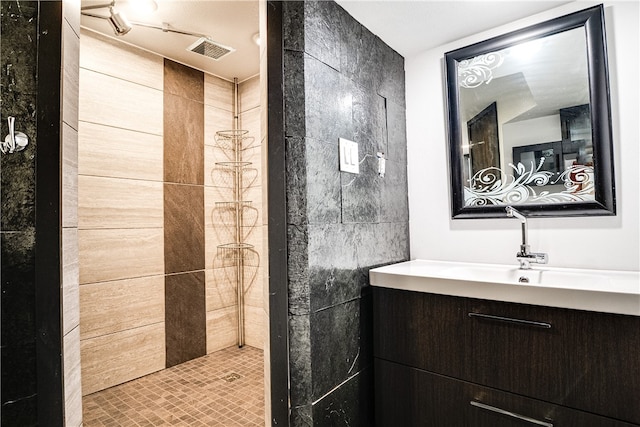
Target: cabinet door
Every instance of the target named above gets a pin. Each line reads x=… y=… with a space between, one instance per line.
x=420 y=330
x=411 y=397
x=585 y=360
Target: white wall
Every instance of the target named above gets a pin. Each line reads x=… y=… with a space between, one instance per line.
x=594 y=242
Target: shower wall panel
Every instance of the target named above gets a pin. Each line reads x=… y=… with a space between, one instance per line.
x=185 y=317
x=139 y=203
x=183 y=228
x=132 y=303
x=120 y=60
x=113 y=254
x=221 y=287
x=185 y=324
x=249 y=119
x=150 y=295
x=119 y=103
x=221 y=310
x=120 y=213
x=119 y=153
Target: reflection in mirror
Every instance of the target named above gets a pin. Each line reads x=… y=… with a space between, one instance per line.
x=508 y=160
x=521 y=122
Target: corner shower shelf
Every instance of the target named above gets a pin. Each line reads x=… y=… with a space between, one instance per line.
x=227 y=139
x=237 y=257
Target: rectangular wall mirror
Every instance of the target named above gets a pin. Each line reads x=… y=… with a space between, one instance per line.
x=530 y=123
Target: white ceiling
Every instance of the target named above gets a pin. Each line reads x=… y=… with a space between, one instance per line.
x=408 y=27
x=230 y=23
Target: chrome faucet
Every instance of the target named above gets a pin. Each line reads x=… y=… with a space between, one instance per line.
x=525 y=257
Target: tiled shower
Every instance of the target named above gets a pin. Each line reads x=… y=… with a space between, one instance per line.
x=150 y=294
x=329 y=311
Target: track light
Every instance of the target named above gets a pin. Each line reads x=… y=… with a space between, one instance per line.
x=121 y=25
x=119 y=22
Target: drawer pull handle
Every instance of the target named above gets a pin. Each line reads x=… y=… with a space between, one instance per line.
x=510 y=414
x=512 y=320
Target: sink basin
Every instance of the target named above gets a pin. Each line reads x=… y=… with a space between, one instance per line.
x=595 y=290
x=499 y=274
x=566 y=278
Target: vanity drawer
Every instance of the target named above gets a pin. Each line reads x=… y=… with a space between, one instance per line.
x=584 y=360
x=422 y=398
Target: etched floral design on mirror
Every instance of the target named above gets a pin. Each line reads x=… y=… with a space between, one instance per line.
x=529 y=121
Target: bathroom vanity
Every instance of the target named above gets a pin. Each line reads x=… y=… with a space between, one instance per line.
x=462 y=345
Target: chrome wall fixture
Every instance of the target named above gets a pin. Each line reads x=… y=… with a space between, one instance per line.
x=119 y=22
x=14 y=141
x=121 y=25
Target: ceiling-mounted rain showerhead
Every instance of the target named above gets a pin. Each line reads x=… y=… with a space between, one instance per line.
x=207 y=47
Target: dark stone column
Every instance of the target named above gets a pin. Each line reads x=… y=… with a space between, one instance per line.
x=340 y=81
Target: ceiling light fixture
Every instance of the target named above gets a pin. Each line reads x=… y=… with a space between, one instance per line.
x=121 y=26
x=119 y=22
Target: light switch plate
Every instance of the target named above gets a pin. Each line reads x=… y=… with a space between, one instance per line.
x=349 y=157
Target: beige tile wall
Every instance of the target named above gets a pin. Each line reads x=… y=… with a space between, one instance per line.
x=119 y=61
x=109 y=360
x=120 y=213
x=119 y=153
x=249 y=118
x=111 y=307
x=221 y=293
x=70 y=295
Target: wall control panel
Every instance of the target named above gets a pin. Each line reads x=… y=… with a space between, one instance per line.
x=349 y=159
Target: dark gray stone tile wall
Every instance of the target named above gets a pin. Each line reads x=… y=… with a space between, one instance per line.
x=18 y=88
x=341 y=81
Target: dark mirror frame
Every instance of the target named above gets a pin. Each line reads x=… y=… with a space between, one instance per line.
x=592 y=20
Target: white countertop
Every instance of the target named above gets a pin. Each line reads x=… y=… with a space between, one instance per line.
x=606 y=291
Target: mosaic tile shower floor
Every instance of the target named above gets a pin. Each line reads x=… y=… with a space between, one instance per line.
x=225 y=388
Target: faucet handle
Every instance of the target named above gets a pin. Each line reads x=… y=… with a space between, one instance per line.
x=541 y=258
x=532 y=257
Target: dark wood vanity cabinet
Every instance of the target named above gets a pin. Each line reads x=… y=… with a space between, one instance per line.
x=436 y=354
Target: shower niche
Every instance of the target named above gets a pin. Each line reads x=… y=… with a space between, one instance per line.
x=235 y=218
